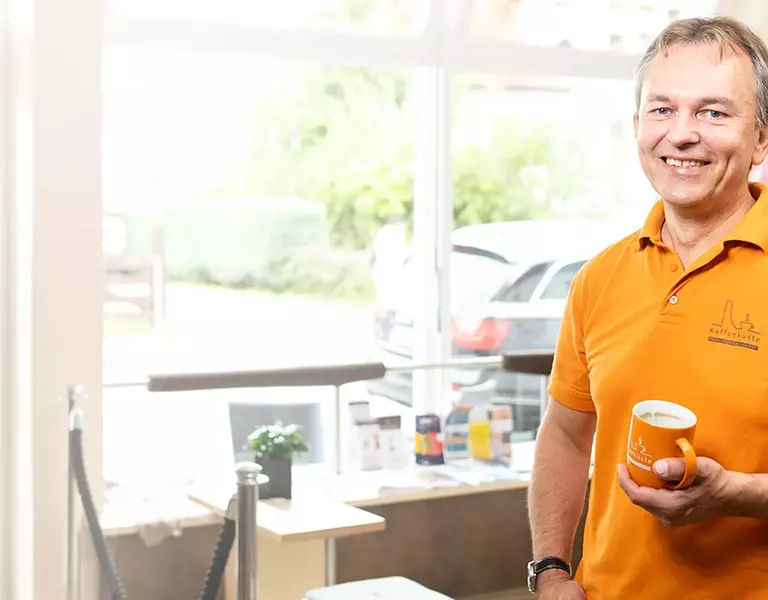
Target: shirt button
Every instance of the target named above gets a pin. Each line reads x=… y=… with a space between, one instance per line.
x=674 y=300
x=674 y=268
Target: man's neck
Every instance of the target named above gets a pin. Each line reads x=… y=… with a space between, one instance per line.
x=690 y=233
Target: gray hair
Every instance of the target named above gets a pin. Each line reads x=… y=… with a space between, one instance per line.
x=725 y=33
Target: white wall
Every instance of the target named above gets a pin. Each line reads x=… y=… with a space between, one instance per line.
x=51 y=234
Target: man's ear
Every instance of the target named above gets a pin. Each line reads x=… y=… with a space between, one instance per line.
x=635 y=122
x=761 y=147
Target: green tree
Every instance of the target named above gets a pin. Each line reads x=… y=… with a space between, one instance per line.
x=344 y=137
x=518 y=176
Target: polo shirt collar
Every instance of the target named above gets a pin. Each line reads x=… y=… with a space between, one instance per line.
x=752 y=229
x=651 y=231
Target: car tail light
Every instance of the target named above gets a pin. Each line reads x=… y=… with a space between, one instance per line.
x=480 y=334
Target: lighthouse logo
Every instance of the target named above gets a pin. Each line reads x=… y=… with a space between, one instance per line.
x=734 y=331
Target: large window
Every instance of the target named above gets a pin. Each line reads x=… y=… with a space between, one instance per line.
x=258 y=212
x=268 y=192
x=420 y=183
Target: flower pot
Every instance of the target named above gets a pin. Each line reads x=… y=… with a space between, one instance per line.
x=279 y=473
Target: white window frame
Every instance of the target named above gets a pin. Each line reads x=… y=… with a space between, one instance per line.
x=433 y=219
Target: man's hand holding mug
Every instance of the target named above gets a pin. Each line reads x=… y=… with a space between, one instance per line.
x=663 y=475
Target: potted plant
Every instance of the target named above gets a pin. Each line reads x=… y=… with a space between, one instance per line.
x=275 y=446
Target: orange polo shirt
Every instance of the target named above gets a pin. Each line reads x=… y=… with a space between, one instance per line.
x=638 y=326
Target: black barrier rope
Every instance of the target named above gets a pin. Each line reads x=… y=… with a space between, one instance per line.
x=221 y=553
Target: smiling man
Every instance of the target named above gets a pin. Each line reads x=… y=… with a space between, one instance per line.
x=677 y=312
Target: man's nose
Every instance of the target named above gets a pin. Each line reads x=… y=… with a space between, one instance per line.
x=684 y=130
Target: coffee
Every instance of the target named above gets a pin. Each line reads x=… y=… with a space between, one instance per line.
x=661 y=419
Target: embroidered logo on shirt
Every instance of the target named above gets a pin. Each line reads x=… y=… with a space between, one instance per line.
x=742 y=334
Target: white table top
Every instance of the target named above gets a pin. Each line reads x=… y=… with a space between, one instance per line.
x=327 y=505
x=324 y=505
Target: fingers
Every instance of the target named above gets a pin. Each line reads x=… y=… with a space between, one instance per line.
x=633 y=491
x=625 y=480
x=673 y=508
x=648 y=498
x=707 y=468
x=670 y=469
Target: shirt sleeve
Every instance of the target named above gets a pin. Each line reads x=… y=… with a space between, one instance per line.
x=569 y=383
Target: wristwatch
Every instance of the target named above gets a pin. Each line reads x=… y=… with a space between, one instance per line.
x=535 y=567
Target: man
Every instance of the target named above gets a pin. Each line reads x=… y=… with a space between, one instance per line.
x=675 y=312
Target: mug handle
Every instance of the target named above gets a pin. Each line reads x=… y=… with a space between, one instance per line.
x=690 y=463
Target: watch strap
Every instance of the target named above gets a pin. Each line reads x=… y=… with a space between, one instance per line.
x=551 y=562
x=536 y=567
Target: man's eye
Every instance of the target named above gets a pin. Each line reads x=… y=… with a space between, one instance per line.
x=715 y=114
x=662 y=112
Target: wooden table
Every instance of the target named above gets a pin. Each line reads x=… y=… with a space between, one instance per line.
x=324 y=506
x=291 y=533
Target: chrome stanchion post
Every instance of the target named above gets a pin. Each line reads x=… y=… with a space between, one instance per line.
x=76 y=397
x=330 y=542
x=330 y=562
x=337 y=430
x=247 y=531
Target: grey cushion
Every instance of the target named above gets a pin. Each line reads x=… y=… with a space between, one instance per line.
x=386 y=588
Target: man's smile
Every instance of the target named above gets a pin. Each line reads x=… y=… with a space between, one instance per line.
x=684 y=165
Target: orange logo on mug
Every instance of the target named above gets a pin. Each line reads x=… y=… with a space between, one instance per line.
x=659 y=430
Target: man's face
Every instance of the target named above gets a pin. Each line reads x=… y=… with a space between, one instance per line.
x=696 y=128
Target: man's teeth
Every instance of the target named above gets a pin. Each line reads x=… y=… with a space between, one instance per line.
x=684 y=163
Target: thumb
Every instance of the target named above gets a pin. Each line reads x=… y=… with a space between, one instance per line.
x=670 y=469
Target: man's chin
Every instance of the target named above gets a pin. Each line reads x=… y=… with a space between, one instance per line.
x=683 y=200
x=684 y=195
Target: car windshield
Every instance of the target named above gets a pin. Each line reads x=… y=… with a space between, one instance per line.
x=521 y=289
x=476 y=278
x=557 y=288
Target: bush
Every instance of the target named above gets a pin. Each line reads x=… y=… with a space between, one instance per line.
x=228 y=242
x=342 y=275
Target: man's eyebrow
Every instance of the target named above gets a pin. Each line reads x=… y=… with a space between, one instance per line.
x=722 y=100
x=707 y=100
